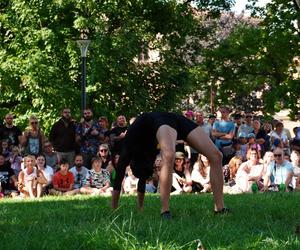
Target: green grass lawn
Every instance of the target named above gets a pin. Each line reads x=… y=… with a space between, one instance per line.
x=259 y=221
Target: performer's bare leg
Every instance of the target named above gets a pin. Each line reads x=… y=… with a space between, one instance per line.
x=166 y=137
x=199 y=140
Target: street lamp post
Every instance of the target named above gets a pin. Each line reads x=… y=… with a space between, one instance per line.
x=83 y=44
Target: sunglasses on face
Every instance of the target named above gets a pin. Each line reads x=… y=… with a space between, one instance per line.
x=248 y=116
x=34 y=122
x=277 y=155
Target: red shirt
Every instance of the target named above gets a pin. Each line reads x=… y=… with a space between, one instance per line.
x=63 y=181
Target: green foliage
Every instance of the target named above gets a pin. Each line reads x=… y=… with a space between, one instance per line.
x=40 y=62
x=41 y=74
x=258 y=59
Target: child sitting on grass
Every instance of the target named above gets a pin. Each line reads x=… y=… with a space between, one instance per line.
x=63 y=181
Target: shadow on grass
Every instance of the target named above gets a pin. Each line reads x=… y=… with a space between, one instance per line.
x=261 y=221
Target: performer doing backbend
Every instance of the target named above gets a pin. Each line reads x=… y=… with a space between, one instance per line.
x=139 y=150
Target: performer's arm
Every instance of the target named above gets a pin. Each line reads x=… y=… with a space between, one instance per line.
x=141 y=193
x=120 y=173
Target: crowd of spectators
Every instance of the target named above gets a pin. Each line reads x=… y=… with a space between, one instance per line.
x=81 y=157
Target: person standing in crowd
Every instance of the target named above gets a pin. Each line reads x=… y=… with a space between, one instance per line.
x=223 y=130
x=247 y=127
x=279 y=138
x=62 y=136
x=33 y=138
x=211 y=119
x=88 y=133
x=10 y=132
x=140 y=150
x=237 y=118
x=279 y=172
x=260 y=135
x=117 y=134
x=104 y=134
x=199 y=116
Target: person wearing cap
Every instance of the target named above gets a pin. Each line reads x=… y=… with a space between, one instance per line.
x=253 y=145
x=223 y=130
x=140 y=149
x=181 y=181
x=242 y=138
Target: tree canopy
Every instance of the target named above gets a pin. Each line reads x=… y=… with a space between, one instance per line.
x=40 y=62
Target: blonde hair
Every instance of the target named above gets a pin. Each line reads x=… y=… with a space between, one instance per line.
x=233 y=168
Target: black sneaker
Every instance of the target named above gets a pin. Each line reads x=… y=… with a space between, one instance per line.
x=224 y=210
x=166 y=215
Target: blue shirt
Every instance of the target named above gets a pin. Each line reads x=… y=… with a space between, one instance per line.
x=279 y=173
x=223 y=127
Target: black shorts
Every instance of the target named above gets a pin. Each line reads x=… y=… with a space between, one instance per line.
x=141 y=135
x=140 y=144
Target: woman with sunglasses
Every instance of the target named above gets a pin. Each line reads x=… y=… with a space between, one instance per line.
x=33 y=138
x=104 y=155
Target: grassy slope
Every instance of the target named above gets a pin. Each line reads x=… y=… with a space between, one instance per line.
x=260 y=221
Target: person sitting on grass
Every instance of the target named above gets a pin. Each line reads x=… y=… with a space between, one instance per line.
x=80 y=172
x=200 y=175
x=31 y=179
x=46 y=170
x=279 y=173
x=98 y=182
x=182 y=182
x=130 y=184
x=253 y=145
x=8 y=180
x=140 y=149
x=297 y=188
x=249 y=173
x=234 y=165
x=63 y=180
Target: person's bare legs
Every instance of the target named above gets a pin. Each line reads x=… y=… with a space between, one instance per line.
x=166 y=137
x=199 y=140
x=30 y=186
x=39 y=190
